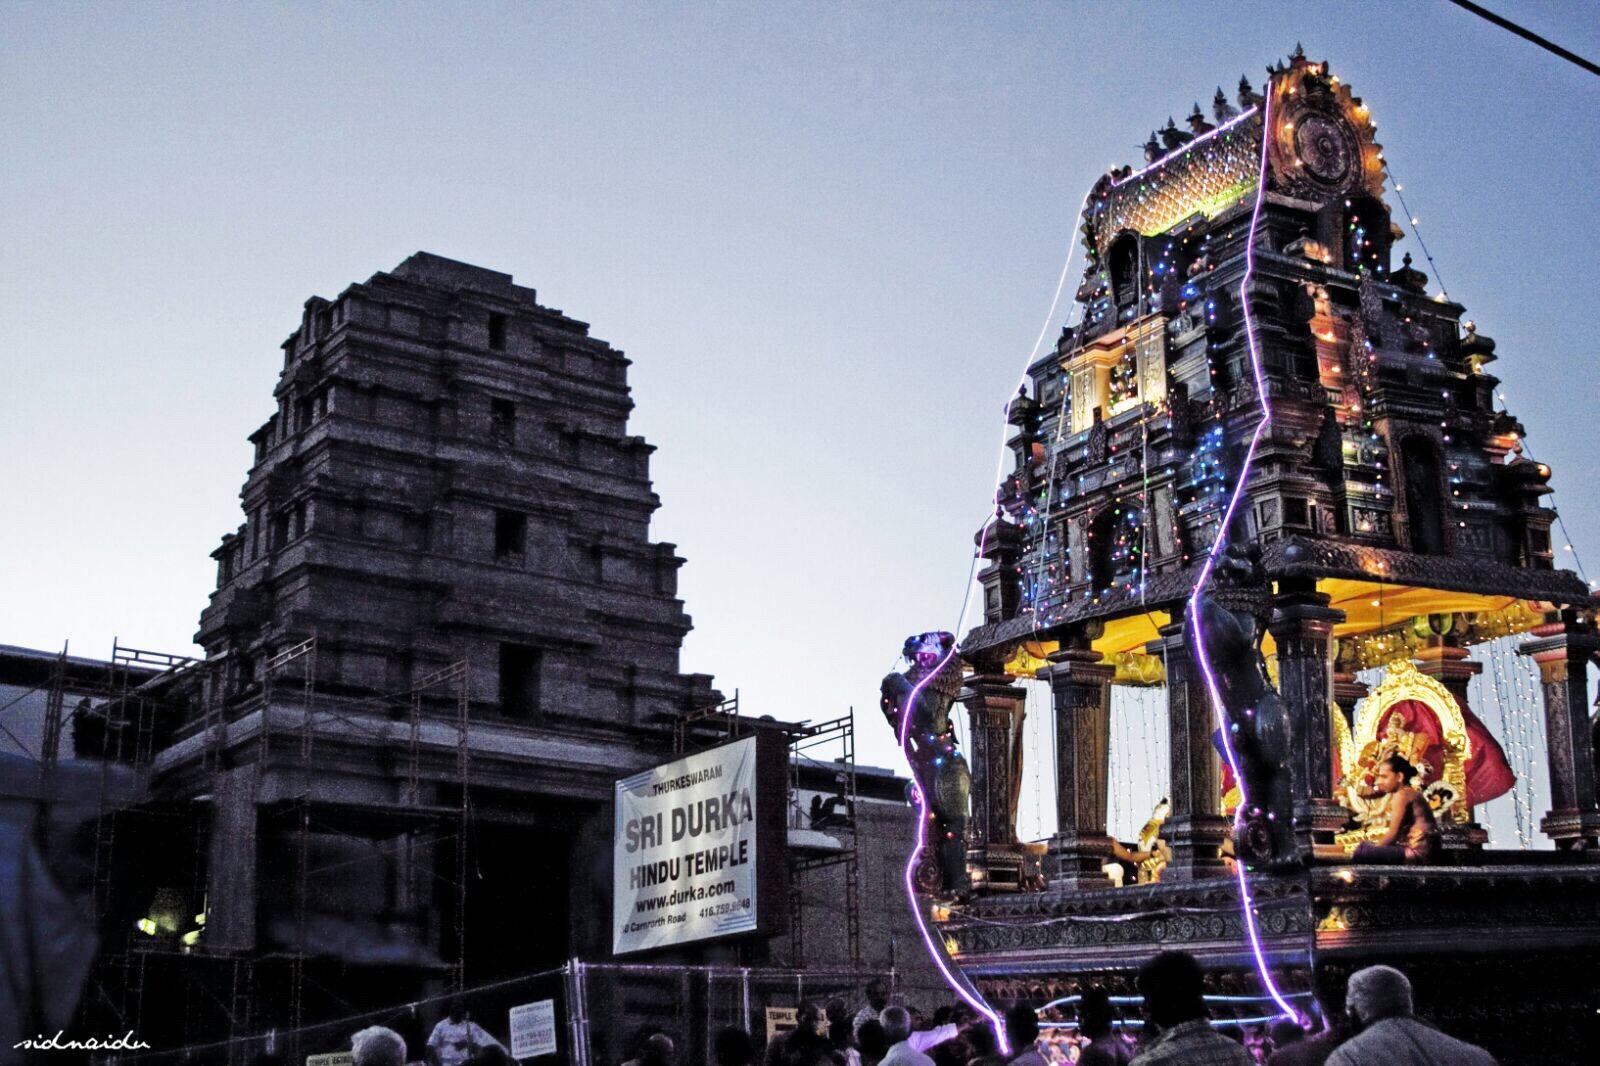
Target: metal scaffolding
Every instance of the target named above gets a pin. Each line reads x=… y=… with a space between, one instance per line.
x=835 y=737
x=137 y=708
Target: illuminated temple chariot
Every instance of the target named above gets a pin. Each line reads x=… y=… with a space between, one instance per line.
x=1394 y=521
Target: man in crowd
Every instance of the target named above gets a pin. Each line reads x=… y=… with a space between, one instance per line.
x=1174 y=999
x=896 y=1023
x=872 y=1042
x=457 y=1038
x=877 y=999
x=733 y=1047
x=1095 y=1020
x=1022 y=1033
x=377 y=1046
x=656 y=1050
x=1379 y=1002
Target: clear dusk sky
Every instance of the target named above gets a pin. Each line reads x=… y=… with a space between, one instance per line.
x=826 y=234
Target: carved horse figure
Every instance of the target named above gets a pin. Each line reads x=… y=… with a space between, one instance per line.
x=1233 y=613
x=934 y=675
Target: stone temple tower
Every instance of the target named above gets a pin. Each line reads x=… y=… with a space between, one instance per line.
x=442 y=621
x=448 y=476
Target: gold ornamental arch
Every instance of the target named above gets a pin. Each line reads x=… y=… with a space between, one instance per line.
x=1444 y=785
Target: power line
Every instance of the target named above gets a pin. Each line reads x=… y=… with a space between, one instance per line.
x=1528 y=35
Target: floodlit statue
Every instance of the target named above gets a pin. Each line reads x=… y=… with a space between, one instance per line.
x=1233 y=612
x=940 y=771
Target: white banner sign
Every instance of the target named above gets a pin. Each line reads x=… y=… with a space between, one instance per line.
x=533 y=1029
x=685 y=850
x=781 y=1020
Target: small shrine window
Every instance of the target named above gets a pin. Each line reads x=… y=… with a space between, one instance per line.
x=1366 y=238
x=245 y=671
x=1424 y=495
x=497 y=332
x=510 y=535
x=1124 y=260
x=520 y=669
x=1116 y=549
x=281 y=525
x=503 y=421
x=1122 y=387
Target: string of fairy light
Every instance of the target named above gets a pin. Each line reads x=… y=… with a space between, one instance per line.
x=1120 y=556
x=1116 y=533
x=934 y=945
x=1514 y=679
x=1522 y=728
x=1415 y=224
x=1047 y=578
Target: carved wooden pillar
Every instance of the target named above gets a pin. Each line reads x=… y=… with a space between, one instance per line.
x=1081 y=689
x=1450 y=666
x=1347 y=692
x=1002 y=589
x=995 y=710
x=1302 y=625
x=1195 y=829
x=1561 y=647
x=1446 y=662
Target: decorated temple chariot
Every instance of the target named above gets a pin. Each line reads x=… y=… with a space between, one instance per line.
x=1266 y=475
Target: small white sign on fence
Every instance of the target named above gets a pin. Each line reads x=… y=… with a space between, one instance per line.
x=781 y=1020
x=533 y=1029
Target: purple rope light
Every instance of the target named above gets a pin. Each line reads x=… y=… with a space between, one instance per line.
x=1246 y=901
x=935 y=949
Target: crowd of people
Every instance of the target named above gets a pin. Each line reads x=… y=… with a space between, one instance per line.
x=1370 y=1020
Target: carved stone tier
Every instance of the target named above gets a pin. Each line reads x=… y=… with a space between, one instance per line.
x=1302 y=625
x=1562 y=648
x=1195 y=829
x=1078 y=929
x=1296 y=556
x=1080 y=686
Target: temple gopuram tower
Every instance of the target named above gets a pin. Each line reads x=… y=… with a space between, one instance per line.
x=439 y=636
x=1399 y=523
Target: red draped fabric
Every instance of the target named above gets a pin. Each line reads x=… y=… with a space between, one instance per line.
x=1227 y=771
x=1489 y=775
